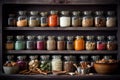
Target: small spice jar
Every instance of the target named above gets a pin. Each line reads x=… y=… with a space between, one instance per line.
x=43 y=19
x=76 y=20
x=60 y=43
x=20 y=43
x=101 y=43
x=11 y=20
x=10 y=43
x=111 y=43
x=22 y=19
x=30 y=43
x=90 y=43
x=53 y=19
x=51 y=43
x=70 y=43
x=65 y=19
x=79 y=43
x=100 y=20
x=110 y=19
x=45 y=63
x=87 y=20
x=33 y=19
x=56 y=63
x=41 y=43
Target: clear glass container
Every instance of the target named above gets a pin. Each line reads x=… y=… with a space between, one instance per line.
x=11 y=20
x=9 y=43
x=44 y=19
x=60 y=43
x=101 y=43
x=51 y=43
x=41 y=43
x=70 y=43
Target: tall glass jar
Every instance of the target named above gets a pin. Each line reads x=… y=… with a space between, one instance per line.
x=101 y=43
x=65 y=19
x=41 y=43
x=56 y=63
x=33 y=19
x=53 y=19
x=45 y=63
x=100 y=20
x=70 y=43
x=87 y=20
x=90 y=43
x=111 y=43
x=22 y=19
x=43 y=19
x=79 y=43
x=20 y=43
x=30 y=43
x=111 y=19
x=76 y=20
x=11 y=20
x=10 y=43
x=60 y=43
x=51 y=43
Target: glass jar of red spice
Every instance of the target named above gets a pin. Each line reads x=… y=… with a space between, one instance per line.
x=101 y=43
x=40 y=42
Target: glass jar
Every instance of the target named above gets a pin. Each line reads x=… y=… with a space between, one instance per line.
x=30 y=43
x=56 y=63
x=51 y=43
x=22 y=19
x=100 y=20
x=76 y=20
x=60 y=43
x=90 y=43
x=10 y=43
x=111 y=43
x=20 y=43
x=70 y=43
x=33 y=19
x=43 y=19
x=111 y=19
x=68 y=63
x=53 y=19
x=45 y=63
x=41 y=43
x=11 y=20
x=22 y=63
x=79 y=43
x=101 y=43
x=65 y=19
x=87 y=20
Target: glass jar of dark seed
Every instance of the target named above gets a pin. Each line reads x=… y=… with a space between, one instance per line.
x=60 y=43
x=11 y=20
x=43 y=19
x=70 y=43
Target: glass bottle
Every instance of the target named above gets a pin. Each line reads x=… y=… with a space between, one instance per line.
x=79 y=43
x=53 y=19
x=100 y=20
x=51 y=43
x=65 y=19
x=56 y=63
x=60 y=43
x=70 y=43
x=45 y=63
x=20 y=43
x=41 y=43
x=30 y=43
x=76 y=20
x=87 y=20
x=10 y=43
x=111 y=43
x=111 y=19
x=11 y=20
x=101 y=43
x=22 y=19
x=33 y=19
x=43 y=19
x=90 y=43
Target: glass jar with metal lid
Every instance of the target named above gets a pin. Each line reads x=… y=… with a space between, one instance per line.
x=41 y=43
x=9 y=43
x=12 y=20
x=101 y=43
x=60 y=43
x=100 y=20
x=70 y=43
x=65 y=19
x=44 y=19
x=87 y=20
x=22 y=20
x=51 y=43
x=111 y=19
x=33 y=19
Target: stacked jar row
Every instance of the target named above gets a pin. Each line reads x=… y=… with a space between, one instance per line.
x=62 y=43
x=63 y=19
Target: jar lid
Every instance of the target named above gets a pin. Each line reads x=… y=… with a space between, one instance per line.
x=30 y=37
x=19 y=37
x=22 y=12
x=69 y=58
x=65 y=12
x=99 y=12
x=95 y=57
x=60 y=37
x=76 y=13
x=9 y=37
x=87 y=12
x=33 y=57
x=10 y=57
x=107 y=57
x=21 y=57
x=111 y=13
x=69 y=37
x=56 y=56
x=90 y=37
x=44 y=57
x=53 y=12
x=111 y=37
x=84 y=57
x=43 y=13
x=79 y=37
x=41 y=37
x=51 y=37
x=100 y=37
x=34 y=12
